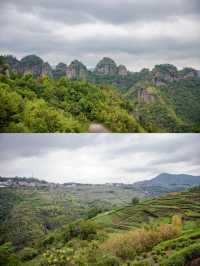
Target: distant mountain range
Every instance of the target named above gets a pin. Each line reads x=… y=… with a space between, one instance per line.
x=106 y=71
x=168 y=182
x=163 y=99
x=162 y=183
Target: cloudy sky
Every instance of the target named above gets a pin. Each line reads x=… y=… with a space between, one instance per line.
x=98 y=158
x=135 y=33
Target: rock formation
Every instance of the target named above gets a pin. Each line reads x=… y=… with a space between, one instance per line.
x=122 y=71
x=106 y=67
x=46 y=70
x=31 y=64
x=60 y=71
x=162 y=74
x=76 y=70
x=13 y=63
x=188 y=73
x=144 y=96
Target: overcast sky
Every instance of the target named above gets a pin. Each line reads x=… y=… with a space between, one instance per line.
x=98 y=158
x=137 y=33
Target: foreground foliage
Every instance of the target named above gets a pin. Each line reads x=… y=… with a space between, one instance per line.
x=46 y=105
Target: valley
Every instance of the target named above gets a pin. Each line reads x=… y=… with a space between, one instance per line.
x=71 y=224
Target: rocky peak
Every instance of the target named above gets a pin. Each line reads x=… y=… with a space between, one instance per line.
x=4 y=67
x=13 y=63
x=188 y=73
x=145 y=96
x=122 y=70
x=76 y=70
x=61 y=66
x=31 y=64
x=162 y=74
x=46 y=70
x=60 y=70
x=106 y=67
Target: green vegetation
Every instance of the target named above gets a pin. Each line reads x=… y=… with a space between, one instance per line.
x=47 y=105
x=181 y=203
x=163 y=109
x=160 y=231
x=36 y=98
x=46 y=209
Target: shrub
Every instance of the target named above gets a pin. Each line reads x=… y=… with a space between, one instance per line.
x=7 y=258
x=135 y=200
x=108 y=260
x=184 y=256
x=28 y=253
x=58 y=257
x=127 y=245
x=48 y=240
x=177 y=221
x=85 y=230
x=168 y=231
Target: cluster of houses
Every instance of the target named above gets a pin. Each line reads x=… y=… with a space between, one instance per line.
x=22 y=182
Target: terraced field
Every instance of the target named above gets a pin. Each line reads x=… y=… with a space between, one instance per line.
x=186 y=204
x=54 y=229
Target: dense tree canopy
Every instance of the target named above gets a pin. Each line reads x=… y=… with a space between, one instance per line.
x=161 y=100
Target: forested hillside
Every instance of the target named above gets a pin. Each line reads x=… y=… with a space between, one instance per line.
x=58 y=230
x=36 y=98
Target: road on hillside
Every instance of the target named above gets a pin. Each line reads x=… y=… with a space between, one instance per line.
x=98 y=128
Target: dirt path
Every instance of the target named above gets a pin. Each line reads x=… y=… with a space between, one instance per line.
x=98 y=128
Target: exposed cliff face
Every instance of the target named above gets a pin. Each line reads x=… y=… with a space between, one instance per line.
x=60 y=71
x=13 y=63
x=162 y=74
x=4 y=68
x=122 y=71
x=145 y=96
x=106 y=67
x=188 y=73
x=31 y=64
x=76 y=70
x=106 y=71
x=46 y=70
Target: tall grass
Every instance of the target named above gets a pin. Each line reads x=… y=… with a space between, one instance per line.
x=127 y=245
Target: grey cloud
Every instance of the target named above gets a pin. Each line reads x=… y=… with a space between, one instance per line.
x=33 y=145
x=28 y=27
x=43 y=43
x=97 y=157
x=166 y=145
x=121 y=11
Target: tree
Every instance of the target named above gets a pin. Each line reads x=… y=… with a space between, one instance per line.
x=135 y=200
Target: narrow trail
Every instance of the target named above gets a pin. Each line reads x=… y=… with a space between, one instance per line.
x=98 y=128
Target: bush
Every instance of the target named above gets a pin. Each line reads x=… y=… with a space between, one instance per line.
x=28 y=253
x=58 y=257
x=177 y=221
x=184 y=256
x=109 y=260
x=85 y=230
x=135 y=200
x=127 y=245
x=48 y=240
x=7 y=258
